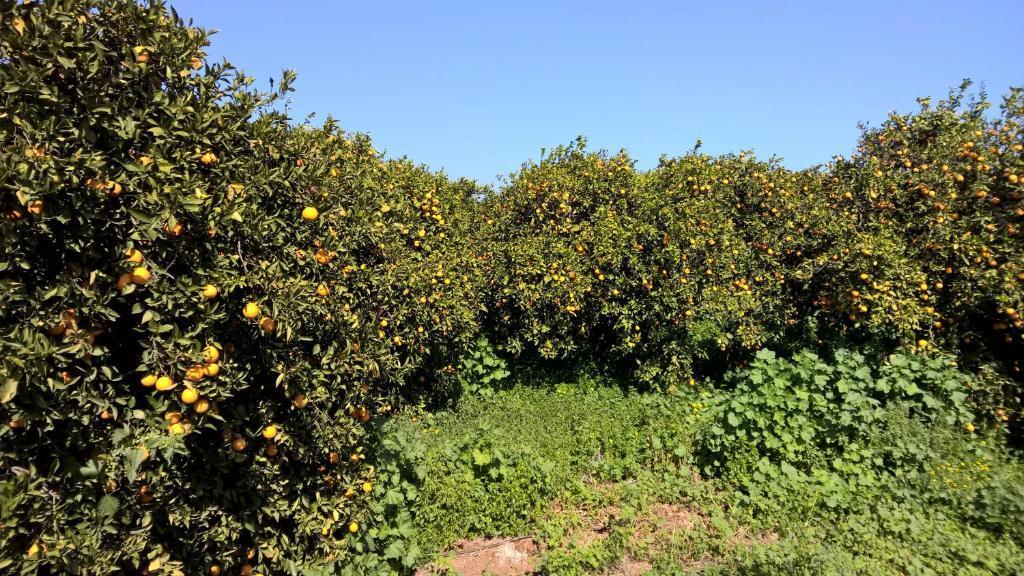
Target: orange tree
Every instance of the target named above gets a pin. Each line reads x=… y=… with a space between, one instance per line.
x=687 y=263
x=724 y=239
x=915 y=239
x=932 y=208
x=392 y=243
x=557 y=236
x=201 y=307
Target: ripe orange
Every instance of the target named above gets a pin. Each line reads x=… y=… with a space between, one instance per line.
x=189 y=396
x=270 y=432
x=322 y=290
x=251 y=310
x=299 y=401
x=145 y=494
x=140 y=275
x=310 y=213
x=201 y=406
x=164 y=383
x=123 y=280
x=211 y=354
x=208 y=158
x=210 y=291
x=149 y=380
x=212 y=369
x=133 y=256
x=353 y=527
x=238 y=444
x=267 y=324
x=195 y=373
x=367 y=487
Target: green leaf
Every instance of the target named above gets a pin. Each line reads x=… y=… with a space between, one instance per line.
x=133 y=459
x=107 y=506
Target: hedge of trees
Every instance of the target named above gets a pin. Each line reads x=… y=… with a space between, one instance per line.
x=203 y=306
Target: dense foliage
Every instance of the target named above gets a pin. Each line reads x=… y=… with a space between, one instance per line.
x=916 y=240
x=201 y=306
x=207 y=311
x=783 y=411
x=664 y=268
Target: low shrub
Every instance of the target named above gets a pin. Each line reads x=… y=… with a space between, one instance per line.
x=805 y=412
x=482 y=370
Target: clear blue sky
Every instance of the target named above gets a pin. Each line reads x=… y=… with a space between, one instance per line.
x=478 y=87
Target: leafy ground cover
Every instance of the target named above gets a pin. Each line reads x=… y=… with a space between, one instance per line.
x=743 y=476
